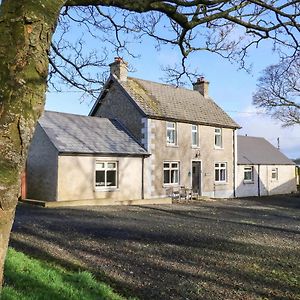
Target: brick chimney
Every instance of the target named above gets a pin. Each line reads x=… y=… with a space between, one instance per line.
x=201 y=85
x=119 y=68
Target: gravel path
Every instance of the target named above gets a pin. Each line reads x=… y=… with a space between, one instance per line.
x=224 y=249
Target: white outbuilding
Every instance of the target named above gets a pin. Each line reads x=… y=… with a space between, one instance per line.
x=262 y=169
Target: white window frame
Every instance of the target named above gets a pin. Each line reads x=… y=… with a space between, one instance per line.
x=171 y=126
x=219 y=168
x=247 y=170
x=195 y=132
x=219 y=132
x=105 y=169
x=274 y=170
x=171 y=168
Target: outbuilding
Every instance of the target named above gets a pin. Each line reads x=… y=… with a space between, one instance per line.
x=262 y=169
x=80 y=158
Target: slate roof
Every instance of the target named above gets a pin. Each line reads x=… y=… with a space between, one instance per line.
x=164 y=101
x=88 y=135
x=256 y=150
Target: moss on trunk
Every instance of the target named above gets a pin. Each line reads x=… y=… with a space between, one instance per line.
x=26 y=28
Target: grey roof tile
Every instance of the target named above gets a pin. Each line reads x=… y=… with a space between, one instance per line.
x=165 y=101
x=256 y=150
x=82 y=134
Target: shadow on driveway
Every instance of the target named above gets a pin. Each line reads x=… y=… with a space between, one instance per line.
x=225 y=249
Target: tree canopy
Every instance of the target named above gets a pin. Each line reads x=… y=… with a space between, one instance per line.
x=278 y=91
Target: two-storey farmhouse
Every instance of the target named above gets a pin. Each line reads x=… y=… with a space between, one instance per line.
x=140 y=139
x=190 y=139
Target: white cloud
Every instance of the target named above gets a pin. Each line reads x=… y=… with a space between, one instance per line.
x=255 y=123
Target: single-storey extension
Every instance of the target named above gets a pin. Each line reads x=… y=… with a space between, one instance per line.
x=262 y=169
x=74 y=157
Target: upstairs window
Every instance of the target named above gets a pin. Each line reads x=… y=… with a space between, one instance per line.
x=195 y=136
x=171 y=172
x=106 y=174
x=171 y=133
x=221 y=172
x=248 y=174
x=274 y=174
x=218 y=138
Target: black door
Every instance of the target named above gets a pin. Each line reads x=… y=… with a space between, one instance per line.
x=196 y=177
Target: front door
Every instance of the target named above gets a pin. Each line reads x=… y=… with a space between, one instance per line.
x=196 y=177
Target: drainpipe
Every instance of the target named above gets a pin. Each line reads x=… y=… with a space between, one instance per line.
x=234 y=161
x=258 y=180
x=142 y=190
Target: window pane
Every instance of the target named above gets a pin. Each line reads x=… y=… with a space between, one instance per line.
x=166 y=176
x=166 y=165
x=111 y=165
x=100 y=165
x=100 y=178
x=111 y=178
x=248 y=175
x=218 y=140
x=223 y=175
x=194 y=138
x=217 y=177
x=174 y=165
x=174 y=176
x=171 y=136
x=171 y=125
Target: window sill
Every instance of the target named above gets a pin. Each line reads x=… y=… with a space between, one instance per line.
x=196 y=147
x=221 y=182
x=248 y=182
x=172 y=146
x=218 y=148
x=106 y=189
x=167 y=185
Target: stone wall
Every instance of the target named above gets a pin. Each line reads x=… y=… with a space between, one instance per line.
x=117 y=105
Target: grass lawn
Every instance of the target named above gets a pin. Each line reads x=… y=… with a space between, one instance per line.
x=31 y=279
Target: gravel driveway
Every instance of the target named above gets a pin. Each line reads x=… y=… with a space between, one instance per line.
x=224 y=249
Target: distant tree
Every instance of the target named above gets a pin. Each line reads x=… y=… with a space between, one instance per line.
x=29 y=57
x=278 y=91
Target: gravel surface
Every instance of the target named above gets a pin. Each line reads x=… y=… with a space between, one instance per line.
x=223 y=249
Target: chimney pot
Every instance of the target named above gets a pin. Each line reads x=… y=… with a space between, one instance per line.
x=119 y=68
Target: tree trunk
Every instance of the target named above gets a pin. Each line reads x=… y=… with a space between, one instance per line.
x=26 y=28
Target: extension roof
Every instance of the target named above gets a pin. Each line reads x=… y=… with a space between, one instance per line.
x=256 y=150
x=163 y=101
x=88 y=135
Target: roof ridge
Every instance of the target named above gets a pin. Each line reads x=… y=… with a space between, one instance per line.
x=76 y=115
x=166 y=84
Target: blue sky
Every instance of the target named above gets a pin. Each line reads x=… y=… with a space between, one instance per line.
x=231 y=88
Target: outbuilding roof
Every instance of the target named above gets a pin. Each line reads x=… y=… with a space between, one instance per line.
x=163 y=101
x=88 y=135
x=257 y=150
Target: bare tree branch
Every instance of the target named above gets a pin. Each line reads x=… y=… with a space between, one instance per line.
x=278 y=91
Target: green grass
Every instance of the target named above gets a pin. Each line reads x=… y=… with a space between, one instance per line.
x=31 y=279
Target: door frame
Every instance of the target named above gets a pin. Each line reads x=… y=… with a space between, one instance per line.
x=201 y=168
